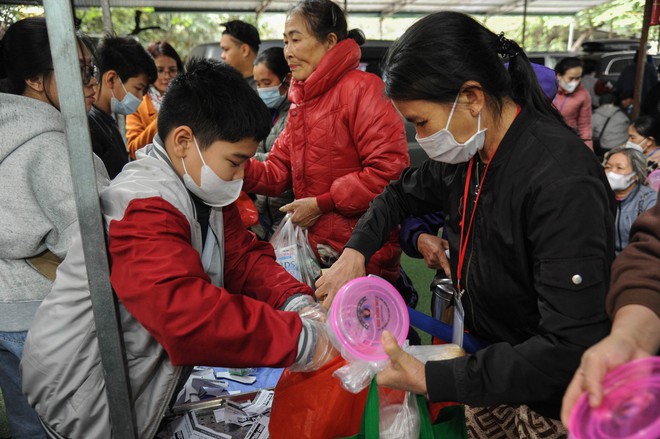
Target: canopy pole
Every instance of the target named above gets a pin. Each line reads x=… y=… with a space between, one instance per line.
x=64 y=50
x=571 y=35
x=524 y=29
x=641 y=58
x=107 y=16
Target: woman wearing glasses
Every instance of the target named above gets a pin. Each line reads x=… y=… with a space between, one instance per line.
x=38 y=208
x=141 y=125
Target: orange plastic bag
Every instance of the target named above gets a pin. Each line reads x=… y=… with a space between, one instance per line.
x=247 y=210
x=314 y=405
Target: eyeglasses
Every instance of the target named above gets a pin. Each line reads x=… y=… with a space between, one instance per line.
x=87 y=72
x=172 y=71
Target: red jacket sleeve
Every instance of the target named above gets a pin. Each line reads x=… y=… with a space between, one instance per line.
x=380 y=140
x=159 y=278
x=273 y=176
x=250 y=265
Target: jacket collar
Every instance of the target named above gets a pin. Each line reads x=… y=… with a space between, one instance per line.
x=343 y=57
x=157 y=150
x=521 y=123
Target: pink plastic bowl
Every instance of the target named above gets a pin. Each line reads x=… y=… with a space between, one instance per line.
x=362 y=309
x=630 y=408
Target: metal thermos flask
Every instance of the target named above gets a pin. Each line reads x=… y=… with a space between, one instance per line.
x=442 y=296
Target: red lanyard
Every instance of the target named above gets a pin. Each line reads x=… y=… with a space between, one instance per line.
x=462 y=244
x=462 y=247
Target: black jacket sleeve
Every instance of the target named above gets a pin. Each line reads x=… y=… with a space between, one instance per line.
x=417 y=192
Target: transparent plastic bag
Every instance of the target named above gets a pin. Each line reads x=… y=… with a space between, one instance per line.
x=355 y=376
x=294 y=253
x=398 y=414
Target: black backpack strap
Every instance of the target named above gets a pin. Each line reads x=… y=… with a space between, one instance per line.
x=604 y=128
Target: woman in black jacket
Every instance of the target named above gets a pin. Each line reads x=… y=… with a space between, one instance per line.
x=529 y=219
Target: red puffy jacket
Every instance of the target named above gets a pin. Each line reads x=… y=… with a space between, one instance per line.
x=343 y=143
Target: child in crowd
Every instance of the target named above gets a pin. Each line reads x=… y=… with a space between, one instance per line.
x=141 y=125
x=126 y=72
x=195 y=287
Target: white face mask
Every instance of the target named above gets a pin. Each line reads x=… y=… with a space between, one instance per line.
x=569 y=86
x=637 y=146
x=620 y=182
x=443 y=147
x=213 y=190
x=128 y=105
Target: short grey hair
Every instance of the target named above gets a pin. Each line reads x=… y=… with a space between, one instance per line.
x=637 y=160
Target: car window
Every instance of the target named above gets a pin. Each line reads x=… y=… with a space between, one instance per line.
x=616 y=65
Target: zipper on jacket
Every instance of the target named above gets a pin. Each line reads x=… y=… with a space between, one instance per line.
x=304 y=149
x=465 y=290
x=467 y=268
x=619 y=211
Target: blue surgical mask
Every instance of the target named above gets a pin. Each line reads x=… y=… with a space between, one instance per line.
x=271 y=96
x=128 y=105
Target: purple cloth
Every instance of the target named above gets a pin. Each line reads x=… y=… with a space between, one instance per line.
x=412 y=227
x=547 y=79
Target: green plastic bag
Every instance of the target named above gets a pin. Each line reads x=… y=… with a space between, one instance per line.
x=449 y=425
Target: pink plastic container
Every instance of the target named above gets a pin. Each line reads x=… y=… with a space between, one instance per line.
x=630 y=408
x=362 y=309
x=654 y=180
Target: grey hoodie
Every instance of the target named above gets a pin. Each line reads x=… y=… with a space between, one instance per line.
x=37 y=207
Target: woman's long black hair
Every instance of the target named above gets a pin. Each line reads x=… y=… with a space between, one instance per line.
x=25 y=53
x=440 y=52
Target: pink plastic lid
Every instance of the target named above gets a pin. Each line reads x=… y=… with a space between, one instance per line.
x=654 y=180
x=362 y=309
x=630 y=408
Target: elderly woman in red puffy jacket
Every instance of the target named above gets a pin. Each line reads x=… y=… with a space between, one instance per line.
x=343 y=141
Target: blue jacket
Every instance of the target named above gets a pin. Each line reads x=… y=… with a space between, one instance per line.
x=640 y=199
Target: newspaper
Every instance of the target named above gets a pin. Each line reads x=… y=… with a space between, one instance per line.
x=238 y=420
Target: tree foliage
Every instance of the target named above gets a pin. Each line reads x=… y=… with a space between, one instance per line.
x=613 y=19
x=182 y=30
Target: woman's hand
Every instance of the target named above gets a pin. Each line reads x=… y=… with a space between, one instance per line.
x=404 y=372
x=305 y=211
x=349 y=266
x=433 y=249
x=635 y=334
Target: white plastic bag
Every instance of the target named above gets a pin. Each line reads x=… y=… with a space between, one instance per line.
x=294 y=253
x=397 y=419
